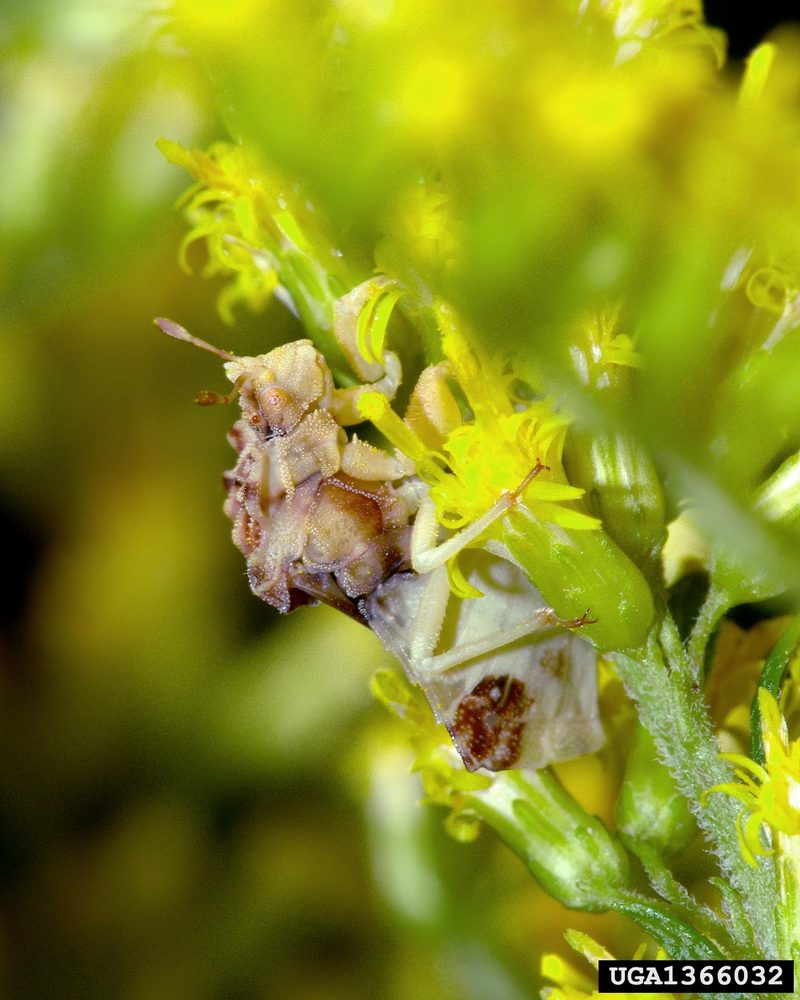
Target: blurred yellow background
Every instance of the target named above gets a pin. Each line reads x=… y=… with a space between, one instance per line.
x=198 y=799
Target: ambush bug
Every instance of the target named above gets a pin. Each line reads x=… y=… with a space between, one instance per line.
x=320 y=516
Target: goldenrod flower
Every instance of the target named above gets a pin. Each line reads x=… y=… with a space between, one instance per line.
x=490 y=451
x=738 y=661
x=571 y=984
x=230 y=208
x=770 y=794
x=491 y=446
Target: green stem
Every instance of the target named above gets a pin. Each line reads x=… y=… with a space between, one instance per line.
x=713 y=608
x=310 y=287
x=788 y=869
x=662 y=681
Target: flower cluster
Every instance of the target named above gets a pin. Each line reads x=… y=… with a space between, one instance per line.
x=770 y=793
x=227 y=208
x=492 y=449
x=584 y=239
x=571 y=984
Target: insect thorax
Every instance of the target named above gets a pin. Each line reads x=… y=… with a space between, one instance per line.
x=309 y=531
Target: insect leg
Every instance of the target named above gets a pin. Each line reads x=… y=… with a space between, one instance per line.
x=426 y=554
x=541 y=621
x=345 y=401
x=430 y=617
x=407 y=613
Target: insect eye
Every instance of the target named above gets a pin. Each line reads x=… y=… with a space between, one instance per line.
x=274 y=400
x=255 y=420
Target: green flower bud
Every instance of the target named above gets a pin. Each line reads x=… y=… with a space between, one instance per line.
x=578 y=571
x=623 y=489
x=650 y=808
x=572 y=854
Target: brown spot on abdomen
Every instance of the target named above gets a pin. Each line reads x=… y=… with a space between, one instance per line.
x=488 y=725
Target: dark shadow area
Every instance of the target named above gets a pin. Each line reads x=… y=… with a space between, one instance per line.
x=747 y=26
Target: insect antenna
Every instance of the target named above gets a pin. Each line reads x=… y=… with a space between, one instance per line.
x=208 y=397
x=175 y=330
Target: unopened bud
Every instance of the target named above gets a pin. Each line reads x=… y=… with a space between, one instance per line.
x=572 y=854
x=623 y=489
x=650 y=808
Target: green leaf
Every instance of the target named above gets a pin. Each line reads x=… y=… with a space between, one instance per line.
x=775 y=666
x=676 y=937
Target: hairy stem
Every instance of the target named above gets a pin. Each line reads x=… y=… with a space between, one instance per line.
x=661 y=679
x=714 y=607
